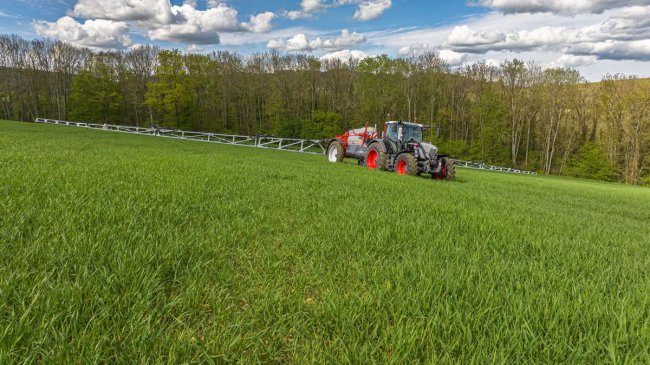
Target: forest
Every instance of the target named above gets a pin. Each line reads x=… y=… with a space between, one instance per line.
x=519 y=114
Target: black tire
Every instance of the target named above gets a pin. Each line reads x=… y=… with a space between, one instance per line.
x=375 y=157
x=449 y=170
x=406 y=164
x=335 y=152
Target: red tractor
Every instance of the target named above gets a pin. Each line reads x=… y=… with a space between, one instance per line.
x=398 y=148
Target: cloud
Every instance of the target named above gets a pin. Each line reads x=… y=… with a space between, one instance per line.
x=453 y=58
x=616 y=38
x=450 y=57
x=366 y=9
x=163 y=21
x=307 y=8
x=296 y=14
x=310 y=6
x=261 y=23
x=564 y=7
x=98 y=33
x=159 y=11
x=250 y=38
x=301 y=43
x=345 y=56
x=568 y=60
x=371 y=9
x=621 y=35
x=193 y=48
x=197 y=26
x=614 y=50
x=184 y=34
x=414 y=49
x=463 y=36
x=221 y=18
x=345 y=40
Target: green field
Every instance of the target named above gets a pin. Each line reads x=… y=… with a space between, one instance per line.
x=117 y=248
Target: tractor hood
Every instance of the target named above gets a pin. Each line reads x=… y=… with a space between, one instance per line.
x=430 y=149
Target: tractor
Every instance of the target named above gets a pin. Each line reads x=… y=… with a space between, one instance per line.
x=398 y=148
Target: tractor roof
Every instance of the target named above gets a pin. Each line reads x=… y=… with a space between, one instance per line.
x=408 y=123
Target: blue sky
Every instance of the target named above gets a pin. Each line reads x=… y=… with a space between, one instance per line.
x=594 y=36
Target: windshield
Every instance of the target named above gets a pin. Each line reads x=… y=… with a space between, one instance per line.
x=392 y=132
x=412 y=132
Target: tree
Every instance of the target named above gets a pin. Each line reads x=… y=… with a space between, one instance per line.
x=170 y=94
x=96 y=93
x=592 y=163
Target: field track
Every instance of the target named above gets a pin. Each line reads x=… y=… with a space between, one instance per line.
x=120 y=248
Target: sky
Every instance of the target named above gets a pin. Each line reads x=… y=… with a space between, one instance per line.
x=596 y=37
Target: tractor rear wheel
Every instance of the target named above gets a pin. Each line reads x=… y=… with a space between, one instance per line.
x=406 y=164
x=335 y=152
x=375 y=157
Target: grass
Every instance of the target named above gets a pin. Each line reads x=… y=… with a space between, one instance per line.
x=132 y=249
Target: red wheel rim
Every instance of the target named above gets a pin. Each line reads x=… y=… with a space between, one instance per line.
x=443 y=172
x=401 y=167
x=372 y=159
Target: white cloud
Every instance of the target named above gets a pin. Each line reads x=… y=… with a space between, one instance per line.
x=310 y=6
x=573 y=61
x=366 y=9
x=261 y=23
x=307 y=8
x=464 y=36
x=221 y=18
x=565 y=7
x=198 y=26
x=453 y=58
x=624 y=34
x=617 y=38
x=614 y=50
x=163 y=21
x=345 y=56
x=296 y=14
x=98 y=33
x=414 y=49
x=193 y=48
x=450 y=57
x=301 y=43
x=371 y=9
x=249 y=38
x=159 y=11
x=345 y=40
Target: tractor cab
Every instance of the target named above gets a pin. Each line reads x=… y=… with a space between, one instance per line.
x=401 y=133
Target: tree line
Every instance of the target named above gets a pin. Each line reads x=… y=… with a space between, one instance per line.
x=517 y=114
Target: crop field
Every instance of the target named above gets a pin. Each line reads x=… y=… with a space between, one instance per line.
x=117 y=248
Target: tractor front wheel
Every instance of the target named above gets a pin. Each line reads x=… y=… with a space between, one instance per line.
x=375 y=157
x=447 y=170
x=335 y=152
x=406 y=164
x=451 y=169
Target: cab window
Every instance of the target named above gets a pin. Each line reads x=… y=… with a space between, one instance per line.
x=391 y=132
